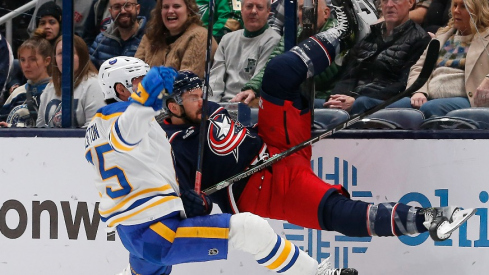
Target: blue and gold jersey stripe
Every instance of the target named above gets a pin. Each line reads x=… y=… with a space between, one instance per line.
x=123 y=217
x=133 y=196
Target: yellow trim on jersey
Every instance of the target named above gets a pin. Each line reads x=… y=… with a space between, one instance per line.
x=203 y=232
x=107 y=117
x=129 y=198
x=283 y=256
x=140 y=95
x=115 y=140
x=156 y=203
x=164 y=231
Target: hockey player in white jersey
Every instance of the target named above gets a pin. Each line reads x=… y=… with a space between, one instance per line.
x=139 y=192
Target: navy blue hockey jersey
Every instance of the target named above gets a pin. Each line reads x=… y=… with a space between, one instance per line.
x=229 y=149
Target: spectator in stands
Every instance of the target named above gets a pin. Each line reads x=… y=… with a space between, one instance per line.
x=5 y=66
x=82 y=8
x=49 y=21
x=378 y=66
x=226 y=17
x=251 y=90
x=21 y=107
x=461 y=76
x=175 y=37
x=243 y=53
x=49 y=17
x=99 y=18
x=122 y=38
x=87 y=94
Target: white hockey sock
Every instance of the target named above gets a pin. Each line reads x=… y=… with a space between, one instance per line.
x=254 y=235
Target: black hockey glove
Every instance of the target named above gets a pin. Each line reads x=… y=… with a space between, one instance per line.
x=196 y=204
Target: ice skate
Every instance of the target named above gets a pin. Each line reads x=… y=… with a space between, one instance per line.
x=324 y=268
x=347 y=23
x=442 y=221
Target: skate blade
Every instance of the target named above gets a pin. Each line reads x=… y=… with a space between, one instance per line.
x=458 y=219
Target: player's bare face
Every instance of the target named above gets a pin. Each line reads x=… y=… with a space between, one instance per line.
x=192 y=103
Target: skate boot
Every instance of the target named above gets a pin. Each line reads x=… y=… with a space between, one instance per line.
x=442 y=221
x=319 y=51
x=347 y=23
x=324 y=268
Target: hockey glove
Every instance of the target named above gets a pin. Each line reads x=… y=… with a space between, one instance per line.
x=196 y=204
x=157 y=82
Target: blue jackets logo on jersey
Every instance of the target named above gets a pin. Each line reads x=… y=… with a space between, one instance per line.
x=213 y=251
x=225 y=135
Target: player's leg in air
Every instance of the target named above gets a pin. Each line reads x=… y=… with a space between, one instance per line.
x=281 y=102
x=173 y=241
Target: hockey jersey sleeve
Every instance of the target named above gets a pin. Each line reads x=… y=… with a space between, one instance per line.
x=128 y=130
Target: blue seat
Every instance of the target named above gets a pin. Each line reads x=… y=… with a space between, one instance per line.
x=392 y=118
x=448 y=123
x=328 y=118
x=469 y=118
x=477 y=114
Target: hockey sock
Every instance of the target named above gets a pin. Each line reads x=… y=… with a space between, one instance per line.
x=283 y=77
x=360 y=219
x=340 y=214
x=394 y=219
x=254 y=235
x=318 y=51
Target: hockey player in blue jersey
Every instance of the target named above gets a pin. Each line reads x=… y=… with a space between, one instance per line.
x=289 y=190
x=139 y=191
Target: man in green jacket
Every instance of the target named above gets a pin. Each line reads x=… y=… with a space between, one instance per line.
x=227 y=16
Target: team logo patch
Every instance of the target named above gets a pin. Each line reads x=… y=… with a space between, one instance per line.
x=113 y=61
x=225 y=135
x=213 y=251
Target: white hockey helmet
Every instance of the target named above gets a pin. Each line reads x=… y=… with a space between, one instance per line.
x=120 y=69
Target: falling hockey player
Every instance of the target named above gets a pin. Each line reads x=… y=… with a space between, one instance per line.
x=289 y=190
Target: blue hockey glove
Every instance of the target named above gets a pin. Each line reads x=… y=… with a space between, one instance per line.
x=157 y=82
x=196 y=204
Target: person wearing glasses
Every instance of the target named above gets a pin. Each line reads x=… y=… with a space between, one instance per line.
x=123 y=36
x=377 y=67
x=175 y=37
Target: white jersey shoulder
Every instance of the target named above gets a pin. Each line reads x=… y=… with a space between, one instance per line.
x=133 y=160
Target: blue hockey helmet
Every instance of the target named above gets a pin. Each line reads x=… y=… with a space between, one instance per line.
x=185 y=81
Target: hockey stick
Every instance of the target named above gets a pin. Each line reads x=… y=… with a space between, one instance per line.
x=429 y=64
x=309 y=26
x=198 y=173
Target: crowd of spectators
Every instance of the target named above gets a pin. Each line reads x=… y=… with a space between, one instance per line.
x=246 y=35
